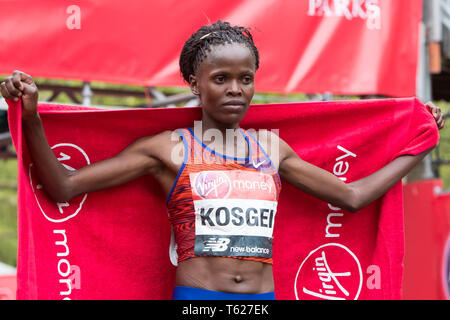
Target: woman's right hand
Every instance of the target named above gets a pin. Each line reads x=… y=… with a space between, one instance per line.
x=21 y=85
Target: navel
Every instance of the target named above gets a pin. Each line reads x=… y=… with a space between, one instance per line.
x=238 y=279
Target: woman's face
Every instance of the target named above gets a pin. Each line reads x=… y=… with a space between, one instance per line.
x=224 y=83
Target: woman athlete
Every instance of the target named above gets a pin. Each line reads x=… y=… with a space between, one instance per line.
x=219 y=63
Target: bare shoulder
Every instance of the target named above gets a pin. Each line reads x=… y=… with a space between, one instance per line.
x=161 y=138
x=166 y=146
x=159 y=143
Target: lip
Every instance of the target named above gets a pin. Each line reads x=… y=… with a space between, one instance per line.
x=234 y=103
x=233 y=106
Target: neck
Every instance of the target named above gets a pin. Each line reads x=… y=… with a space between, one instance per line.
x=226 y=140
x=208 y=123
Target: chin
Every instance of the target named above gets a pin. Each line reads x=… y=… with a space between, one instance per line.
x=232 y=118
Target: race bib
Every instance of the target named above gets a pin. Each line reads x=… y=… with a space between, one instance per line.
x=234 y=213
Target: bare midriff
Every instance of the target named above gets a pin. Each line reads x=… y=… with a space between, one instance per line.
x=225 y=275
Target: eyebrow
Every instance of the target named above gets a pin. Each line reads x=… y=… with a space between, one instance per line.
x=221 y=71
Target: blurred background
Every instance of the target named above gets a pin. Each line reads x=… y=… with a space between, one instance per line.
x=311 y=50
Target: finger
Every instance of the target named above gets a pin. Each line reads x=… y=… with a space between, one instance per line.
x=5 y=92
x=442 y=121
x=16 y=81
x=430 y=105
x=13 y=91
x=436 y=114
x=22 y=76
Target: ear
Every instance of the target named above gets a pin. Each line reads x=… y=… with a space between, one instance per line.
x=194 y=85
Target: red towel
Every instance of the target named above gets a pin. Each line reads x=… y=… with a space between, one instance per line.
x=114 y=244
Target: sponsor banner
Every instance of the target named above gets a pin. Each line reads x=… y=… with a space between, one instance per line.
x=427 y=241
x=445 y=276
x=114 y=245
x=249 y=246
x=312 y=46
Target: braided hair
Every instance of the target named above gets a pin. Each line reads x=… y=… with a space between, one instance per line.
x=199 y=44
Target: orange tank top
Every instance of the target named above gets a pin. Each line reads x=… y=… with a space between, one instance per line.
x=223 y=206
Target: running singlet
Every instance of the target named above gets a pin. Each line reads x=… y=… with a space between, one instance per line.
x=223 y=206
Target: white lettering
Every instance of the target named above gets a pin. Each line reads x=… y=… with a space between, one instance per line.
x=216 y=137
x=369 y=10
x=62 y=243
x=67 y=272
x=341 y=8
x=69 y=287
x=64 y=268
x=244 y=185
x=347 y=153
x=332 y=225
x=328 y=279
x=234 y=138
x=339 y=169
x=212 y=185
x=74 y=20
x=374 y=280
x=177 y=153
x=313 y=6
x=374 y=15
x=357 y=10
x=75 y=278
x=199 y=310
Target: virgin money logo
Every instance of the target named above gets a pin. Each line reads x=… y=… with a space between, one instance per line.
x=330 y=272
x=212 y=185
x=71 y=157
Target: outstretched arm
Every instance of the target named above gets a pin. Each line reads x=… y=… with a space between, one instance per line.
x=61 y=184
x=348 y=196
x=372 y=187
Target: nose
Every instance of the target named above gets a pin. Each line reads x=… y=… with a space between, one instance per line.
x=234 y=89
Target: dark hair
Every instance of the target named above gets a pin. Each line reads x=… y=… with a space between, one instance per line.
x=199 y=44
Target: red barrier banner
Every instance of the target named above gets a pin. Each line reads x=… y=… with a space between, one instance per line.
x=342 y=47
x=8 y=287
x=114 y=243
x=427 y=241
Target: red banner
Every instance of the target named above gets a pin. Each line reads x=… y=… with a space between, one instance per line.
x=8 y=287
x=114 y=243
x=342 y=47
x=427 y=241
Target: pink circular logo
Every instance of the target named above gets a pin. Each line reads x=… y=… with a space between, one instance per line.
x=71 y=157
x=212 y=185
x=330 y=272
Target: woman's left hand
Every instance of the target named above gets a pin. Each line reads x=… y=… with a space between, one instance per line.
x=437 y=114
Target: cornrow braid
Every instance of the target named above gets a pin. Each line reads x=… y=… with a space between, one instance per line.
x=199 y=44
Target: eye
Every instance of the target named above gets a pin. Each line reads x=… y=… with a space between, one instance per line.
x=219 y=79
x=247 y=79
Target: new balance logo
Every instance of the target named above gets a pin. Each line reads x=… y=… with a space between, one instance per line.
x=216 y=244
